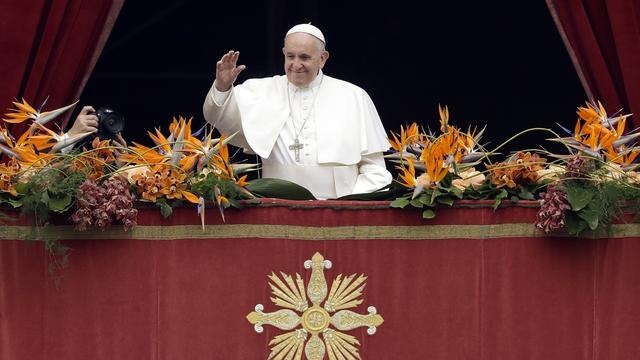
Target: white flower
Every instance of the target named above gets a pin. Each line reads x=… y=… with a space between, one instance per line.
x=613 y=172
x=633 y=177
x=469 y=178
x=130 y=171
x=549 y=174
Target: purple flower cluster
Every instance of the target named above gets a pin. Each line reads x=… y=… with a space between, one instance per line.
x=553 y=208
x=98 y=205
x=578 y=167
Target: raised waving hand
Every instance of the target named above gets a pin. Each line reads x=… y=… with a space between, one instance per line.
x=227 y=70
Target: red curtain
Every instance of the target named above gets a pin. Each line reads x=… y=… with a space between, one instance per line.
x=603 y=40
x=473 y=283
x=49 y=49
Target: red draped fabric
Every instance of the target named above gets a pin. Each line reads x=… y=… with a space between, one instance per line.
x=473 y=283
x=603 y=40
x=49 y=48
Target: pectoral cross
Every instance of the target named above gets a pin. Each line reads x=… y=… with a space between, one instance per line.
x=296 y=147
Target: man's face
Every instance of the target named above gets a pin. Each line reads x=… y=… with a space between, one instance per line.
x=303 y=58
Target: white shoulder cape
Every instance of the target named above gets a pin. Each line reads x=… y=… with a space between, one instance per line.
x=348 y=125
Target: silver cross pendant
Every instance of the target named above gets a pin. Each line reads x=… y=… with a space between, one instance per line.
x=296 y=147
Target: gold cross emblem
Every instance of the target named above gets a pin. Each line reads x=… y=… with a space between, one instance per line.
x=329 y=320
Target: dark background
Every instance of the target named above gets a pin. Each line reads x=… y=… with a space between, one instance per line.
x=497 y=63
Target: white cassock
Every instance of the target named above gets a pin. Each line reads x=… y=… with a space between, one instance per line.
x=340 y=138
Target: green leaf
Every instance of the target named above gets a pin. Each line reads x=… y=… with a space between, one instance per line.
x=579 y=197
x=574 y=224
x=591 y=216
x=425 y=199
x=501 y=195
x=22 y=188
x=60 y=204
x=400 y=202
x=45 y=198
x=457 y=192
x=8 y=199
x=388 y=192
x=278 y=188
x=165 y=209
x=445 y=200
x=416 y=203
x=428 y=214
x=235 y=203
x=526 y=194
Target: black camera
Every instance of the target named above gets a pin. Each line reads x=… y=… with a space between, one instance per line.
x=110 y=123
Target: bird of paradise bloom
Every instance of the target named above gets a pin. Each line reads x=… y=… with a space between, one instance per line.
x=596 y=114
x=596 y=137
x=411 y=136
x=168 y=150
x=408 y=174
x=435 y=160
x=23 y=111
x=623 y=157
x=444 y=118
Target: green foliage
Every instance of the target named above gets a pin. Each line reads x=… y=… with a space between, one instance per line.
x=387 y=193
x=595 y=204
x=48 y=190
x=165 y=209
x=579 y=194
x=429 y=199
x=6 y=198
x=206 y=188
x=400 y=202
x=277 y=188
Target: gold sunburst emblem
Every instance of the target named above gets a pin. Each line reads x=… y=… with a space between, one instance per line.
x=329 y=320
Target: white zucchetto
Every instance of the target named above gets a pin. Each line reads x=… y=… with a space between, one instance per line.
x=308 y=29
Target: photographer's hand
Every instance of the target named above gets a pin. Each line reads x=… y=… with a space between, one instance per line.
x=121 y=147
x=86 y=122
x=119 y=141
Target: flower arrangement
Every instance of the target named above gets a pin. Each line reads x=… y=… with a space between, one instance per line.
x=100 y=184
x=599 y=177
x=585 y=188
x=446 y=161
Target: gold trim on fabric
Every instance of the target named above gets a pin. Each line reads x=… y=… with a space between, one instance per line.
x=212 y=232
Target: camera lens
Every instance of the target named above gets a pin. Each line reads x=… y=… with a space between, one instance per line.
x=110 y=123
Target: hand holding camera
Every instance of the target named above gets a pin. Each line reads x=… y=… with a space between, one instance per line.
x=86 y=122
x=106 y=123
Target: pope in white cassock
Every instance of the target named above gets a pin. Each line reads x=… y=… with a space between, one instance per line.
x=314 y=130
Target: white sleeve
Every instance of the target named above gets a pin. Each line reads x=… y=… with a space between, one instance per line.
x=221 y=110
x=372 y=174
